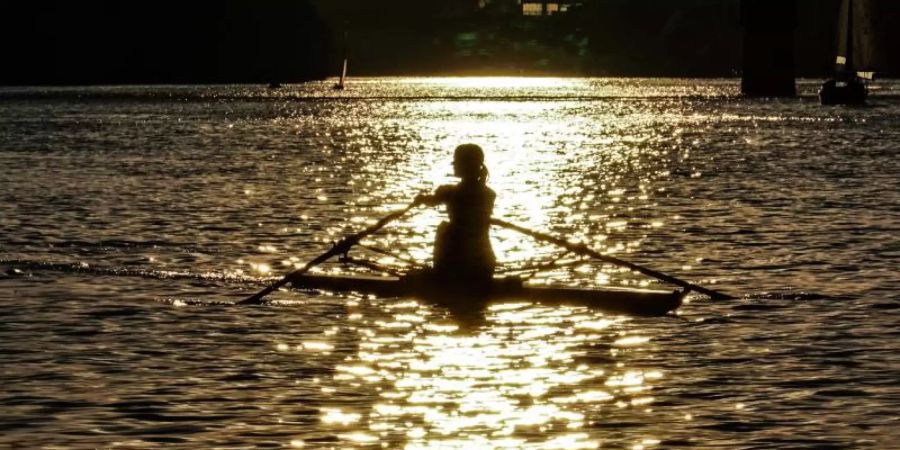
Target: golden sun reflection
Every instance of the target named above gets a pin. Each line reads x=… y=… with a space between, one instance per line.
x=525 y=376
x=518 y=382
x=583 y=179
x=494 y=82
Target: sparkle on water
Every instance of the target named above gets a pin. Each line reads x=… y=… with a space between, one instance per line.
x=504 y=386
x=209 y=197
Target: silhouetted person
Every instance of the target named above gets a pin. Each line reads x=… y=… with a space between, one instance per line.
x=462 y=247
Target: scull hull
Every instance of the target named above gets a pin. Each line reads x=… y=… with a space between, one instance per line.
x=643 y=302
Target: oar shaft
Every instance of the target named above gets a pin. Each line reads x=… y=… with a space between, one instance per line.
x=582 y=249
x=341 y=246
x=257 y=298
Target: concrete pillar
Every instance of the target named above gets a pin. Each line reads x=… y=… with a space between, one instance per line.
x=768 y=62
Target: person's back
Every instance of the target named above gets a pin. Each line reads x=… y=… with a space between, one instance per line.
x=462 y=246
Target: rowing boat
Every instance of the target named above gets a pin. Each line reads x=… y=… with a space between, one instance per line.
x=460 y=293
x=644 y=302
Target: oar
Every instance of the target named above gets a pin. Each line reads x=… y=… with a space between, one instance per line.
x=341 y=246
x=582 y=249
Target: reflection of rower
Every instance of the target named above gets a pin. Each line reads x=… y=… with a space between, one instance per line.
x=462 y=249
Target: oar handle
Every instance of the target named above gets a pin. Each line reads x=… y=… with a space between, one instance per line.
x=342 y=246
x=583 y=249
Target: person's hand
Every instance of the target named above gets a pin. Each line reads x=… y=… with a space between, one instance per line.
x=422 y=199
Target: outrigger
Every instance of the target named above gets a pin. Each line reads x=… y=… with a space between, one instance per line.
x=424 y=285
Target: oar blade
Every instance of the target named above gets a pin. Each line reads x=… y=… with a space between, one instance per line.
x=716 y=295
x=255 y=299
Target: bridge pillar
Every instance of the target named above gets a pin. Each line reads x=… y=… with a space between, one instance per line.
x=768 y=60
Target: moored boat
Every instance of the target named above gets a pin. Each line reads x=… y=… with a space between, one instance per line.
x=848 y=86
x=849 y=91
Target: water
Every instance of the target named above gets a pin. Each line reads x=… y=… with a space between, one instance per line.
x=133 y=216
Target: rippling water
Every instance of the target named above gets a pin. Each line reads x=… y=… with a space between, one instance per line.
x=133 y=216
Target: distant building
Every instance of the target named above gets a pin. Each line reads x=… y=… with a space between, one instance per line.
x=529 y=8
x=547 y=7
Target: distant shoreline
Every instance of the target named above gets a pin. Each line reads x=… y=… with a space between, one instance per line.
x=805 y=79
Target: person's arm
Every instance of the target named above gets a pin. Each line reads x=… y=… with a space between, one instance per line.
x=439 y=196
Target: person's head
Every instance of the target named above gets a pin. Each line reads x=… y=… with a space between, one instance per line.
x=468 y=163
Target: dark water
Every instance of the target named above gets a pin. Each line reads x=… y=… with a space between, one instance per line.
x=131 y=217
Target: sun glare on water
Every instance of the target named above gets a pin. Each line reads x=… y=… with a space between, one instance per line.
x=517 y=384
x=528 y=376
x=496 y=82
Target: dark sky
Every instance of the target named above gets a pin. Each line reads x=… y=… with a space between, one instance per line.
x=261 y=41
x=162 y=41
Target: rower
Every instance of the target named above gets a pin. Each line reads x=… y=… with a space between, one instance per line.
x=462 y=246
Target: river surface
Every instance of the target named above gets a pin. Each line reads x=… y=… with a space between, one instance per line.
x=131 y=218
